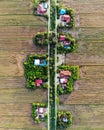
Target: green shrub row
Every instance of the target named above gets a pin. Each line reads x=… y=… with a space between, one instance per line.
x=52 y=73
x=52 y=15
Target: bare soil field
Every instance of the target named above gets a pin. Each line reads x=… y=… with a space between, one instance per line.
x=18 y=26
x=87 y=101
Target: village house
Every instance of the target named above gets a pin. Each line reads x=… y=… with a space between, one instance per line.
x=62 y=38
x=65 y=73
x=62 y=11
x=38 y=82
x=41 y=112
x=40 y=62
x=66 y=18
x=63 y=78
x=64 y=42
x=42 y=8
x=64 y=119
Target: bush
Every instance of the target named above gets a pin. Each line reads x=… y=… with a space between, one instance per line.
x=42 y=39
x=52 y=15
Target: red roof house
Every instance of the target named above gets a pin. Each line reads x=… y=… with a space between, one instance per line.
x=38 y=82
x=41 y=9
x=62 y=37
x=64 y=73
x=66 y=18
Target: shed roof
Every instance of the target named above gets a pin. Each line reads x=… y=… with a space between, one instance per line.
x=41 y=110
x=62 y=11
x=37 y=62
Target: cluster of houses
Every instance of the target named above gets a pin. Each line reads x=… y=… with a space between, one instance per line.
x=42 y=8
x=43 y=63
x=65 y=18
x=63 y=76
x=41 y=112
x=64 y=41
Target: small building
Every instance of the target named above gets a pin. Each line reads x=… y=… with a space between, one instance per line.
x=38 y=82
x=62 y=11
x=40 y=62
x=41 y=112
x=67 y=44
x=65 y=119
x=45 y=5
x=42 y=8
x=66 y=18
x=37 y=62
x=62 y=38
x=65 y=73
x=63 y=80
x=43 y=63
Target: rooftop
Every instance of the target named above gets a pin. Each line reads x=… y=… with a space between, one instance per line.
x=65 y=73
